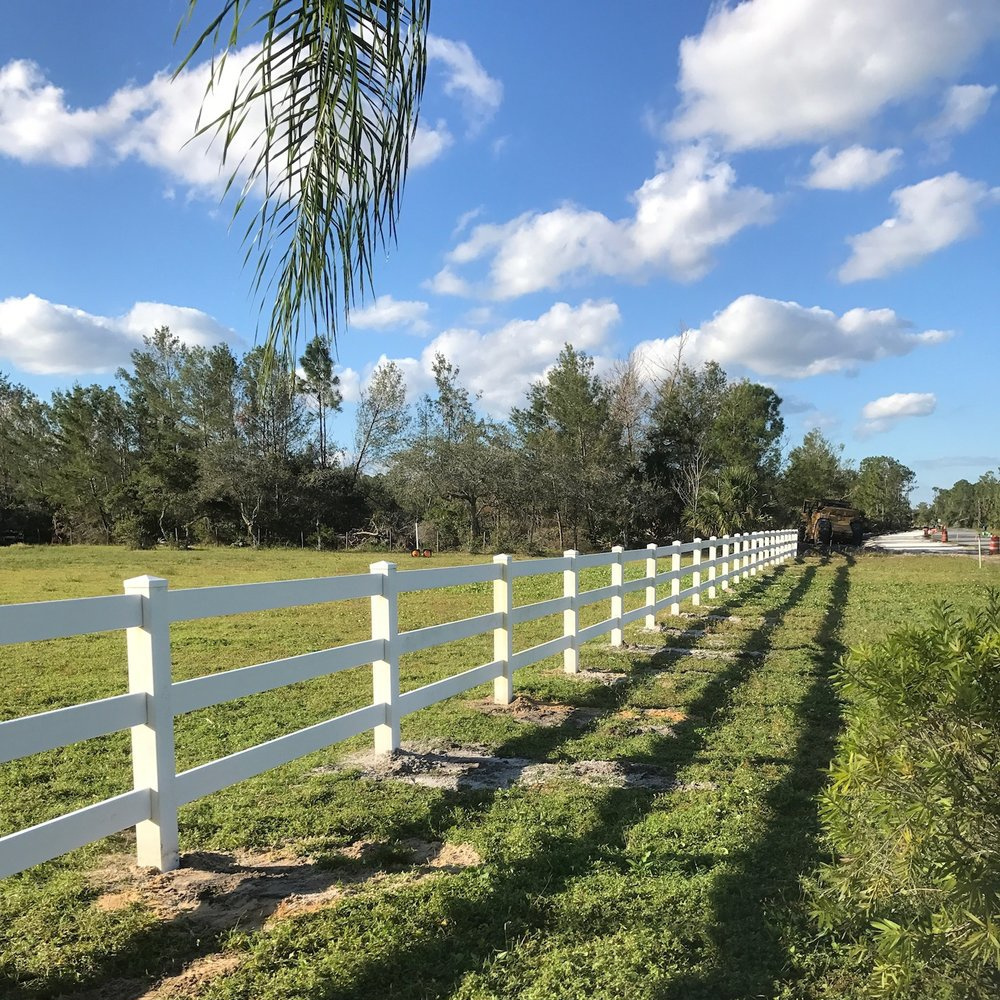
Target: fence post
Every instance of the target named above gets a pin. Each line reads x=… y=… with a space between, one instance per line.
x=745 y=555
x=725 y=562
x=503 y=637
x=696 y=581
x=571 y=616
x=153 y=761
x=618 y=597
x=713 y=551
x=675 y=568
x=651 y=585
x=385 y=672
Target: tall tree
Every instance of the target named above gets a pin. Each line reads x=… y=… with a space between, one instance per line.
x=322 y=385
x=381 y=419
x=445 y=469
x=748 y=428
x=679 y=458
x=572 y=445
x=91 y=461
x=210 y=389
x=319 y=126
x=164 y=430
x=882 y=490
x=25 y=458
x=814 y=469
x=957 y=504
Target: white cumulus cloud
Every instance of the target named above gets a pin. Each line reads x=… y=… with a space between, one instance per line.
x=929 y=216
x=682 y=214
x=386 y=312
x=776 y=72
x=37 y=125
x=784 y=339
x=429 y=143
x=885 y=412
x=501 y=364
x=46 y=338
x=466 y=79
x=962 y=107
x=854 y=167
x=447 y=282
x=154 y=122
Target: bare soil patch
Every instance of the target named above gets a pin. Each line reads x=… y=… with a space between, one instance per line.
x=246 y=890
x=694 y=652
x=190 y=982
x=651 y=720
x=527 y=710
x=609 y=678
x=249 y=891
x=457 y=767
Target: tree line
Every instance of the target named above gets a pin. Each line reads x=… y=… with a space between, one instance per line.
x=196 y=446
x=964 y=504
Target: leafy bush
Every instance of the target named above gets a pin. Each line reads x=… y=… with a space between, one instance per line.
x=913 y=809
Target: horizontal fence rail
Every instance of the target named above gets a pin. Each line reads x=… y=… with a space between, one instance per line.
x=147 y=608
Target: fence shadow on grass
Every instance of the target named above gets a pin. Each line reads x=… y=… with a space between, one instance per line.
x=752 y=960
x=484 y=915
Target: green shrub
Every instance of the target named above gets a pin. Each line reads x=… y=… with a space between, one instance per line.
x=913 y=809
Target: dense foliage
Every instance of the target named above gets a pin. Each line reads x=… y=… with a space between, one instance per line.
x=913 y=810
x=966 y=505
x=196 y=445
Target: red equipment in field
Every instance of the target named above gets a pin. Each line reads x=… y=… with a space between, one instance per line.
x=944 y=534
x=995 y=545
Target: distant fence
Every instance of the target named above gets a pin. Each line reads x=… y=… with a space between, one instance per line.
x=147 y=609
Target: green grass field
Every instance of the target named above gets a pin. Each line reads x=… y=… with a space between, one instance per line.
x=575 y=891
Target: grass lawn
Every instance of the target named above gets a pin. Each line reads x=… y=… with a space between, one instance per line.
x=566 y=890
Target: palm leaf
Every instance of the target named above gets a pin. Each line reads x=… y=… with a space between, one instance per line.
x=330 y=101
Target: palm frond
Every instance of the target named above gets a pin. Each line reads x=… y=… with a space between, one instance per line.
x=330 y=102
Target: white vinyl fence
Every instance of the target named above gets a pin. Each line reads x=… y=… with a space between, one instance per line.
x=147 y=609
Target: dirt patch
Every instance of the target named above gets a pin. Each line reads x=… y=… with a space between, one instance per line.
x=194 y=979
x=456 y=767
x=706 y=654
x=246 y=890
x=694 y=652
x=527 y=710
x=735 y=619
x=608 y=678
x=111 y=901
x=189 y=983
x=659 y=721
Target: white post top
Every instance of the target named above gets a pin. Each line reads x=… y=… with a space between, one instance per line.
x=145 y=583
x=617 y=548
x=570 y=554
x=502 y=559
x=382 y=567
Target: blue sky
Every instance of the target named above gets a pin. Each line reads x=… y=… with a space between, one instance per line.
x=810 y=190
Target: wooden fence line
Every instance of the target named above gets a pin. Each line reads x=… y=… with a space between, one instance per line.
x=148 y=607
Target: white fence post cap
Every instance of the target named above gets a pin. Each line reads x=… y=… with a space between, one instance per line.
x=144 y=583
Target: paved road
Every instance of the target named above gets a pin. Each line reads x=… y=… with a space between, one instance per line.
x=963 y=541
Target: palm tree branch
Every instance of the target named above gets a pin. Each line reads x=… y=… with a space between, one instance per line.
x=315 y=138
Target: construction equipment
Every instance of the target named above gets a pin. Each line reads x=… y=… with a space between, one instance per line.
x=827 y=522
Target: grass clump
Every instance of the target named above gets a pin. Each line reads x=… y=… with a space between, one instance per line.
x=913 y=810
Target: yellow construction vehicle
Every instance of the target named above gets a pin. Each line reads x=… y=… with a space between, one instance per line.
x=828 y=522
